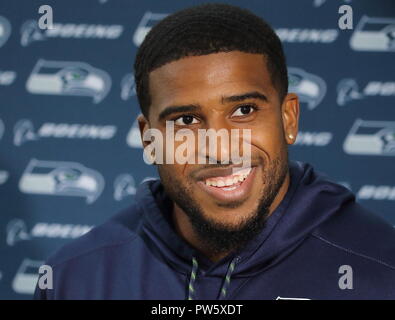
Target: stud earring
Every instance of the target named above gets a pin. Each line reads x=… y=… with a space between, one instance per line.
x=291 y=136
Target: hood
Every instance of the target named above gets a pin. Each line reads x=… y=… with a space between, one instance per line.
x=311 y=199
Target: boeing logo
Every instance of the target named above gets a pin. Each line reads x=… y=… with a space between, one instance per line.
x=17 y=231
x=348 y=90
x=24 y=131
x=317 y=139
x=124 y=186
x=372 y=192
x=295 y=35
x=30 y=32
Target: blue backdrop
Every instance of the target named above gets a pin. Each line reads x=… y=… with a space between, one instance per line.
x=70 y=149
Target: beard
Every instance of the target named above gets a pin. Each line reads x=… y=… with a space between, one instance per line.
x=218 y=237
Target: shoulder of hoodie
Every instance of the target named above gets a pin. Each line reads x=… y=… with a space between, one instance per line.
x=361 y=233
x=121 y=229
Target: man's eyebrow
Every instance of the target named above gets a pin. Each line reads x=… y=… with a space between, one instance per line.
x=245 y=96
x=178 y=109
x=194 y=107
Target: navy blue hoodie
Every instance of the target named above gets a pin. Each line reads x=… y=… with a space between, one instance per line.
x=317 y=241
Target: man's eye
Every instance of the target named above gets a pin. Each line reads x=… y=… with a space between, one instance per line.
x=243 y=110
x=185 y=120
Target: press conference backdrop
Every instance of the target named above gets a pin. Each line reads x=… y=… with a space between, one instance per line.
x=70 y=149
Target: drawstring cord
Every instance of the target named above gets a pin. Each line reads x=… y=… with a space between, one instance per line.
x=191 y=289
x=225 y=285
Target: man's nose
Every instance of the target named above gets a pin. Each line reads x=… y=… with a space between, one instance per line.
x=215 y=146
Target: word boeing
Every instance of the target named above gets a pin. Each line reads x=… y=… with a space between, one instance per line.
x=185 y=146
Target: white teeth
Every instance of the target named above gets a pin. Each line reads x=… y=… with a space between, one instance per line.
x=239 y=176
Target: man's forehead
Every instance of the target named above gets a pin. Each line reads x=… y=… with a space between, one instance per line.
x=229 y=71
x=211 y=66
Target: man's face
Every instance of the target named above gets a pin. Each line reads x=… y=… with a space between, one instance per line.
x=227 y=90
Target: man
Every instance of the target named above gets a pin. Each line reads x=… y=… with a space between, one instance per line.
x=221 y=230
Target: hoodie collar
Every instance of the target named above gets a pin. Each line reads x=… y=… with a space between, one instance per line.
x=309 y=201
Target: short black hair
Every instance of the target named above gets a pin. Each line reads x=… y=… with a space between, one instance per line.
x=204 y=29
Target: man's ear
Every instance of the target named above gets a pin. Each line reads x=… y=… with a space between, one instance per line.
x=143 y=126
x=290 y=116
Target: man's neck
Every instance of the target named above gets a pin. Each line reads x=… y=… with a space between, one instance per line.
x=185 y=229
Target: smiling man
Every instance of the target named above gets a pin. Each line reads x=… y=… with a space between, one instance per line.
x=219 y=229
x=223 y=91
